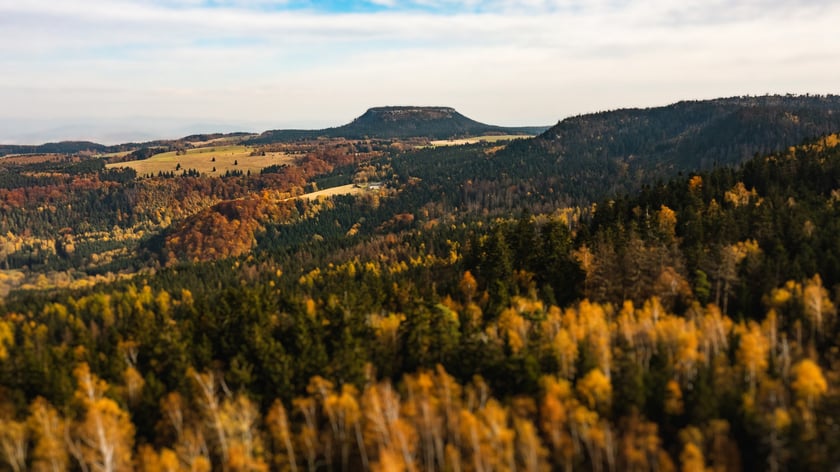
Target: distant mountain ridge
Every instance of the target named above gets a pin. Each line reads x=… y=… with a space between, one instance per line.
x=402 y=122
x=389 y=122
x=63 y=147
x=76 y=147
x=687 y=135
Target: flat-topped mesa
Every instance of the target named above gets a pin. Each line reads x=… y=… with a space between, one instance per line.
x=399 y=122
x=397 y=113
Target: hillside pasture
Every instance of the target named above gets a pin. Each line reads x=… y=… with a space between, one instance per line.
x=206 y=159
x=223 y=141
x=478 y=139
x=119 y=154
x=25 y=159
x=349 y=189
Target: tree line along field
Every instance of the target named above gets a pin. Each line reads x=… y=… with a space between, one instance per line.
x=478 y=139
x=349 y=189
x=216 y=160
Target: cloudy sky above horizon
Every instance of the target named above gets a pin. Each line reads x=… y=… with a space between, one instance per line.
x=114 y=70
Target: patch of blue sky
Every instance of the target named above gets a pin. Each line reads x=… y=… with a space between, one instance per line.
x=336 y=6
x=330 y=6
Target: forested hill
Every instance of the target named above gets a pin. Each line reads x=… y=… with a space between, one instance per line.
x=616 y=151
x=401 y=122
x=88 y=147
x=64 y=147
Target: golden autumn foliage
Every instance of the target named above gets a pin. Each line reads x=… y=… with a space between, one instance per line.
x=279 y=427
x=6 y=339
x=554 y=416
x=753 y=348
x=817 y=305
x=595 y=390
x=641 y=446
x=809 y=383
x=673 y=398
x=514 y=328
x=48 y=431
x=428 y=420
x=13 y=443
x=103 y=435
x=666 y=218
x=225 y=229
x=468 y=286
x=151 y=461
x=691 y=458
x=695 y=183
x=739 y=195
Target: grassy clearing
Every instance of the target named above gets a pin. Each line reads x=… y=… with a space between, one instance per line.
x=478 y=139
x=33 y=158
x=206 y=159
x=349 y=189
x=115 y=154
x=221 y=141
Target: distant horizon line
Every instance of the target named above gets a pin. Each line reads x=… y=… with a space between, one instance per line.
x=114 y=135
x=57 y=131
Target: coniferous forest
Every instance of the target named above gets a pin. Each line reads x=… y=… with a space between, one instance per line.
x=665 y=301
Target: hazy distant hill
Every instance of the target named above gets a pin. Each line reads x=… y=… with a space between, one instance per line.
x=145 y=148
x=401 y=122
x=64 y=147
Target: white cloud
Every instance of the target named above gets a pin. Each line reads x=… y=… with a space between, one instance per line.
x=515 y=62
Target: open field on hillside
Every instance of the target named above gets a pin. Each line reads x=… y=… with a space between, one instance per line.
x=115 y=154
x=205 y=160
x=224 y=140
x=33 y=158
x=349 y=189
x=477 y=139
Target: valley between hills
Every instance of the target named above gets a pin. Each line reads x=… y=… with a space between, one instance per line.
x=635 y=289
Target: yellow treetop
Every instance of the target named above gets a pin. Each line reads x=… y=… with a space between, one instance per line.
x=752 y=351
x=809 y=383
x=595 y=389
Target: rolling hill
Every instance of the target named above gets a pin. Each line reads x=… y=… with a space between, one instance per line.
x=64 y=147
x=693 y=133
x=393 y=122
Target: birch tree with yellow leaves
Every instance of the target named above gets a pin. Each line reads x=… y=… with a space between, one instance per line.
x=101 y=439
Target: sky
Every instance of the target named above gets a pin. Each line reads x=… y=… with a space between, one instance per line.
x=120 y=70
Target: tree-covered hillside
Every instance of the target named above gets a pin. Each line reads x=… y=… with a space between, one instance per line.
x=65 y=147
x=618 y=151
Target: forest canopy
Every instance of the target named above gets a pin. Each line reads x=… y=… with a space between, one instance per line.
x=459 y=311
